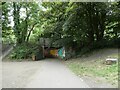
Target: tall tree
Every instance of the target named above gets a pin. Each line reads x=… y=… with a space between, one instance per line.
x=23 y=26
x=5 y=19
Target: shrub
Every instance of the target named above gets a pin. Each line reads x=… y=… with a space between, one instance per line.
x=23 y=51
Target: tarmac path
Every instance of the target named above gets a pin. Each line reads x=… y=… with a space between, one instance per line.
x=47 y=73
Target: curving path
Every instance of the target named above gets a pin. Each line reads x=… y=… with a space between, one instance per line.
x=48 y=73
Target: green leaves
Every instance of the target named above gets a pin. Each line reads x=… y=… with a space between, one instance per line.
x=82 y=22
x=24 y=51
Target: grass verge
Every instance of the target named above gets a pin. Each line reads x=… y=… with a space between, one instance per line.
x=94 y=67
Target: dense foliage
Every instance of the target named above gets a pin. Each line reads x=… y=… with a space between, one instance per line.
x=81 y=25
x=24 y=51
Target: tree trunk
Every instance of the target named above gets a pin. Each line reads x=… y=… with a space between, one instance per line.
x=25 y=29
x=17 y=22
x=30 y=32
x=90 y=12
x=101 y=28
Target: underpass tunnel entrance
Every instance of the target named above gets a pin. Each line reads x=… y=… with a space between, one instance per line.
x=54 y=52
x=46 y=50
x=49 y=52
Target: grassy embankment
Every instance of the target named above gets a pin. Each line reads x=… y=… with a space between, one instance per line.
x=93 y=65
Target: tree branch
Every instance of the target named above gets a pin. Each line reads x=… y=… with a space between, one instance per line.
x=30 y=31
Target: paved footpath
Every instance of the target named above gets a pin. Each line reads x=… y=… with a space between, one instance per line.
x=48 y=73
x=54 y=74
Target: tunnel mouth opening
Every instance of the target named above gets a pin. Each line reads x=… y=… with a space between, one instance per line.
x=50 y=53
x=49 y=49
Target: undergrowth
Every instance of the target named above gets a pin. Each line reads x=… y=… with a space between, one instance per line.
x=23 y=51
